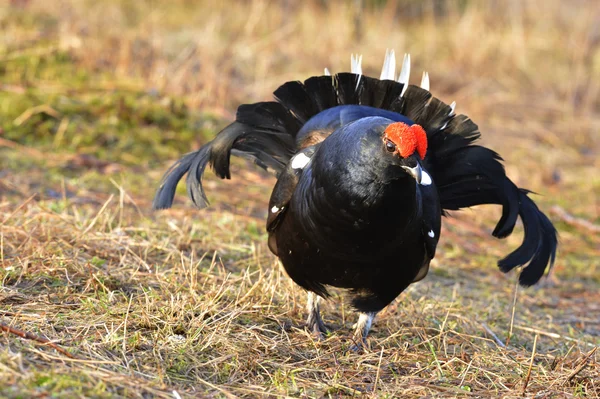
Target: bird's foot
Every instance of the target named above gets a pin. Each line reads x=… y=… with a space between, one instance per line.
x=361 y=330
x=360 y=344
x=314 y=323
x=316 y=326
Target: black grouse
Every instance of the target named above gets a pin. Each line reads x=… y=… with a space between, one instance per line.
x=366 y=169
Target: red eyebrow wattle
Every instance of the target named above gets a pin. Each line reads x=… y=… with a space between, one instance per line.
x=408 y=139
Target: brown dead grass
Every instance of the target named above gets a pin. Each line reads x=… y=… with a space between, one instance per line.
x=192 y=303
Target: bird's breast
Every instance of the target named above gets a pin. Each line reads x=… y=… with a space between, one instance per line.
x=356 y=221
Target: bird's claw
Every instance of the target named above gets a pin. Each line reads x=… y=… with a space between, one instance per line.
x=360 y=345
x=318 y=329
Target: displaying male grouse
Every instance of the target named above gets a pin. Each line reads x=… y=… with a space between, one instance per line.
x=366 y=169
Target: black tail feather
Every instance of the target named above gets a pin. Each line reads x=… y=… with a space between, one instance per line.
x=321 y=90
x=347 y=87
x=166 y=192
x=194 y=177
x=379 y=93
x=507 y=222
x=539 y=243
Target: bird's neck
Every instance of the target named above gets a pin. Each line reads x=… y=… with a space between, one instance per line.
x=365 y=201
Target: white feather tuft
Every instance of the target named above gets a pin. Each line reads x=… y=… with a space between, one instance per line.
x=389 y=66
x=425 y=81
x=299 y=161
x=326 y=72
x=355 y=64
x=452 y=108
x=404 y=73
x=356 y=67
x=425 y=178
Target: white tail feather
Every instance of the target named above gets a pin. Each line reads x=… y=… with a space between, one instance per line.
x=389 y=66
x=452 y=108
x=356 y=67
x=404 y=73
x=425 y=81
x=355 y=64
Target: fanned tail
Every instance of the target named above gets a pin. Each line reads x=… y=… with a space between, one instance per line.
x=270 y=133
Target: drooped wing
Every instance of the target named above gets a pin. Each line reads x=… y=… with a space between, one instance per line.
x=284 y=190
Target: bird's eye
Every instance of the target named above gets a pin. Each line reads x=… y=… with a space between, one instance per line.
x=390 y=146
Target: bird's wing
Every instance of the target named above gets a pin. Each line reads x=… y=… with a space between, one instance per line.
x=263 y=132
x=432 y=221
x=283 y=191
x=431 y=217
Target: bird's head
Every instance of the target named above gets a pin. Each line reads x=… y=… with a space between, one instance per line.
x=409 y=145
x=373 y=146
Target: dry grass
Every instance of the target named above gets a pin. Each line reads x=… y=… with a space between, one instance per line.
x=97 y=99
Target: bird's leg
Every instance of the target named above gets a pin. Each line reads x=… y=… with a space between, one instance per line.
x=362 y=327
x=314 y=322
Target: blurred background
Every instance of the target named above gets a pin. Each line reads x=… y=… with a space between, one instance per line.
x=112 y=85
x=527 y=70
x=98 y=98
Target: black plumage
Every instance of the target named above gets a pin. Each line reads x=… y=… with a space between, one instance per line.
x=347 y=212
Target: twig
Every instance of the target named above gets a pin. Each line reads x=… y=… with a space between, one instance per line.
x=512 y=316
x=36 y=338
x=574 y=221
x=348 y=390
x=437 y=362
x=27 y=201
x=93 y=222
x=530 y=364
x=125 y=331
x=552 y=335
x=582 y=365
x=222 y=390
x=489 y=331
x=378 y=370
x=44 y=108
x=462 y=381
x=31 y=151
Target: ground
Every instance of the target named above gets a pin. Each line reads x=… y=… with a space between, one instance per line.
x=98 y=98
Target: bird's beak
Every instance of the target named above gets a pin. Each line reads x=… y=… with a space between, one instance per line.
x=415 y=172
